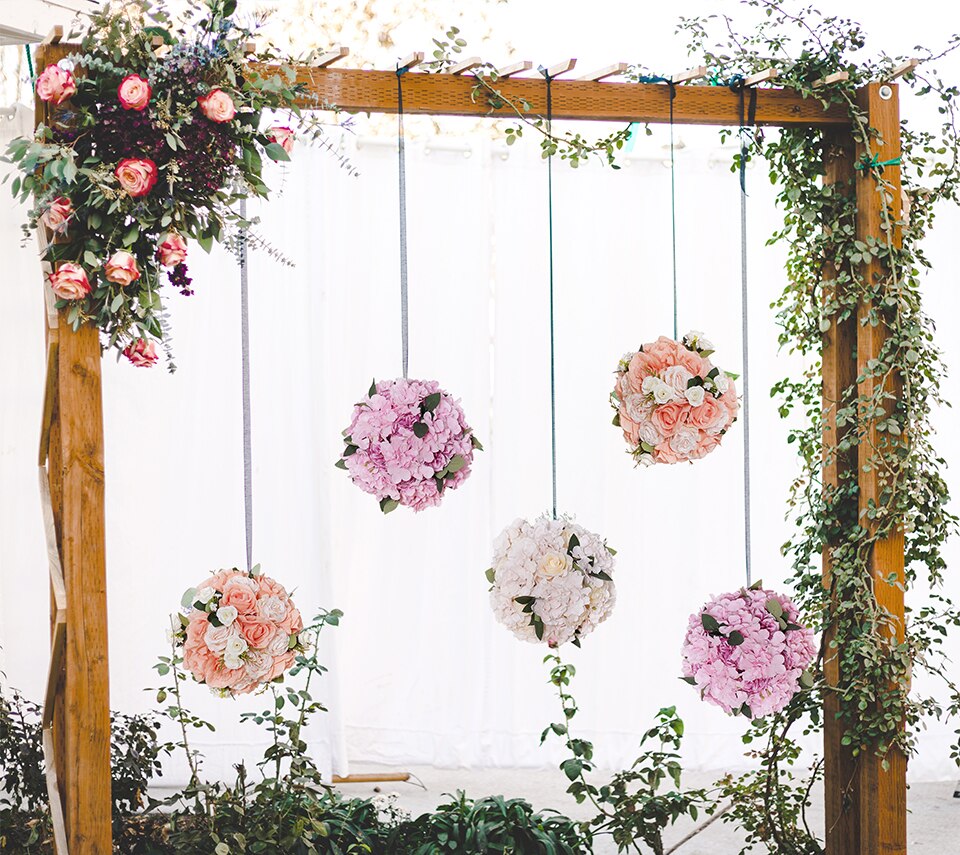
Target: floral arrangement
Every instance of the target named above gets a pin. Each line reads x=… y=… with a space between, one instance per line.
x=407 y=443
x=238 y=631
x=148 y=148
x=673 y=404
x=747 y=652
x=551 y=580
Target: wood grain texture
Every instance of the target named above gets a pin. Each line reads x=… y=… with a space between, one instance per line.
x=839 y=368
x=882 y=792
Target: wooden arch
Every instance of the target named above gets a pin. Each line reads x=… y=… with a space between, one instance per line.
x=865 y=803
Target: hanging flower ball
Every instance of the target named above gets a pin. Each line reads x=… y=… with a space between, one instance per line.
x=673 y=404
x=407 y=443
x=551 y=580
x=747 y=652
x=239 y=631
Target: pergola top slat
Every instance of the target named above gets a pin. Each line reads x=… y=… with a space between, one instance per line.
x=362 y=91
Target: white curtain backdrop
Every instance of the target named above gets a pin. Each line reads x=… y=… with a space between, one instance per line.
x=420 y=672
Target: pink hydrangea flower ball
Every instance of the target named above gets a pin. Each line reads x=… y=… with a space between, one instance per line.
x=408 y=442
x=747 y=652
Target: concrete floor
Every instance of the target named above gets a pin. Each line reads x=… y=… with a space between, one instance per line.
x=933 y=824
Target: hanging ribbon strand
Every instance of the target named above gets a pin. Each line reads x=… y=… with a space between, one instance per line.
x=737 y=86
x=673 y=211
x=242 y=248
x=402 y=164
x=553 y=380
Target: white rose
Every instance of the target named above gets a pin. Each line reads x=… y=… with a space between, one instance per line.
x=684 y=440
x=645 y=460
x=649 y=433
x=227 y=615
x=649 y=384
x=236 y=645
x=676 y=376
x=204 y=595
x=663 y=394
x=216 y=638
x=555 y=563
x=232 y=663
x=258 y=664
x=722 y=382
x=694 y=395
x=277 y=645
x=272 y=608
x=637 y=407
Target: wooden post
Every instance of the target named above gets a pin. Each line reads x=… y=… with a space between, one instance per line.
x=81 y=710
x=839 y=368
x=865 y=804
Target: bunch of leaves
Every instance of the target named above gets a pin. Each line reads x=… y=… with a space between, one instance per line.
x=637 y=804
x=205 y=167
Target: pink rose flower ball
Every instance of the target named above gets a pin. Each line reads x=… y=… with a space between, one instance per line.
x=551 y=581
x=58 y=214
x=121 y=268
x=172 y=249
x=239 y=631
x=134 y=92
x=673 y=404
x=55 y=85
x=141 y=353
x=137 y=177
x=217 y=106
x=747 y=652
x=69 y=281
x=407 y=443
x=282 y=136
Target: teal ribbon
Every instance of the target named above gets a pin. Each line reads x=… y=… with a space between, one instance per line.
x=874 y=162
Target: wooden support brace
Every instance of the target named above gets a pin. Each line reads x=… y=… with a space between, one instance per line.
x=697 y=73
x=465 y=65
x=608 y=71
x=331 y=56
x=836 y=77
x=514 y=68
x=760 y=77
x=561 y=68
x=249 y=48
x=411 y=60
x=907 y=67
x=54 y=37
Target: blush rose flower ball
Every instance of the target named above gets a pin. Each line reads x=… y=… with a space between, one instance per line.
x=673 y=404
x=239 y=631
x=408 y=442
x=551 y=580
x=747 y=652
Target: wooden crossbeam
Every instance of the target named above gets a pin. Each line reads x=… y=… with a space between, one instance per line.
x=514 y=68
x=331 y=56
x=410 y=60
x=605 y=72
x=697 y=73
x=836 y=77
x=561 y=68
x=54 y=37
x=760 y=77
x=362 y=91
x=907 y=67
x=465 y=65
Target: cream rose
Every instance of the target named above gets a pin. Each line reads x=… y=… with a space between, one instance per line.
x=55 y=85
x=134 y=92
x=122 y=268
x=555 y=563
x=69 y=281
x=217 y=106
x=136 y=176
x=227 y=615
x=216 y=638
x=57 y=214
x=236 y=644
x=694 y=395
x=172 y=249
x=282 y=136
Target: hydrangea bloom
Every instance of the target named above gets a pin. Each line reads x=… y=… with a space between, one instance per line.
x=747 y=653
x=238 y=631
x=551 y=580
x=672 y=403
x=407 y=443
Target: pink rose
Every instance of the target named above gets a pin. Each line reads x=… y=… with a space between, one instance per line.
x=141 y=353
x=196 y=630
x=219 y=580
x=676 y=377
x=662 y=351
x=631 y=430
x=710 y=416
x=707 y=443
x=271 y=587
x=644 y=364
x=241 y=597
x=256 y=630
x=668 y=417
x=134 y=92
x=122 y=268
x=217 y=106
x=282 y=136
x=729 y=399
x=56 y=85
x=292 y=624
x=280 y=664
x=664 y=454
x=693 y=362
x=172 y=249
x=136 y=176
x=69 y=281
x=58 y=214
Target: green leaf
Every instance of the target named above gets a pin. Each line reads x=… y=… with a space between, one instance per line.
x=457 y=462
x=476 y=442
x=524 y=601
x=116 y=303
x=710 y=623
x=341 y=464
x=806 y=680
x=773 y=606
x=387 y=504
x=350 y=450
x=420 y=430
x=188 y=597
x=276 y=152
x=491 y=575
x=573 y=543
x=373 y=389
x=735 y=639
x=689 y=680
x=430 y=403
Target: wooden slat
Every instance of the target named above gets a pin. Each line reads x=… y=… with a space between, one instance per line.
x=839 y=370
x=331 y=56
x=605 y=72
x=564 y=67
x=52 y=338
x=514 y=68
x=410 y=61
x=54 y=37
x=358 y=91
x=760 y=77
x=53 y=549
x=882 y=793
x=907 y=67
x=836 y=77
x=466 y=65
x=697 y=73
x=60 y=843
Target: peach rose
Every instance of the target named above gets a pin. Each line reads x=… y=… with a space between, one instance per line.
x=271 y=587
x=707 y=443
x=256 y=630
x=631 y=429
x=664 y=454
x=281 y=664
x=710 y=417
x=292 y=624
x=693 y=362
x=69 y=281
x=282 y=136
x=196 y=630
x=172 y=249
x=122 y=268
x=136 y=176
x=134 y=92
x=58 y=214
x=644 y=364
x=55 y=85
x=668 y=417
x=663 y=351
x=201 y=662
x=217 y=106
x=730 y=401
x=219 y=580
x=241 y=597
x=676 y=376
x=141 y=353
